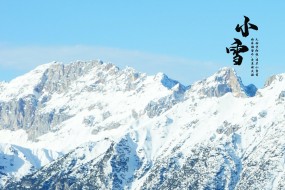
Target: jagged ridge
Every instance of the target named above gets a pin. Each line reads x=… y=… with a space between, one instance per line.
x=123 y=129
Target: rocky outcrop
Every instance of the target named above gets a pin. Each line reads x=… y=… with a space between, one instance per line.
x=222 y=82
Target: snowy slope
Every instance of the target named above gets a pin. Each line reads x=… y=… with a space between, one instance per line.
x=120 y=129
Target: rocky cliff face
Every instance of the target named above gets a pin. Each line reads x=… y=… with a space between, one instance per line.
x=90 y=125
x=222 y=82
x=28 y=110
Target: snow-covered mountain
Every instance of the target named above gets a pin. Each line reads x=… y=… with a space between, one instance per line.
x=90 y=125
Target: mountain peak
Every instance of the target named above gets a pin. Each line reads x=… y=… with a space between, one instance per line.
x=166 y=81
x=224 y=81
x=225 y=74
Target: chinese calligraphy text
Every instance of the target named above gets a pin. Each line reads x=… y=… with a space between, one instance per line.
x=238 y=47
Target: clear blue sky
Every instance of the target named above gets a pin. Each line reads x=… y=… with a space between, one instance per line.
x=184 y=39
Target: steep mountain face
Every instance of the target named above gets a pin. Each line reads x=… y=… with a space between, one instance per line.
x=16 y=161
x=89 y=125
x=31 y=102
x=222 y=82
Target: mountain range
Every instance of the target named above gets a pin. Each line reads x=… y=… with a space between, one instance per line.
x=91 y=125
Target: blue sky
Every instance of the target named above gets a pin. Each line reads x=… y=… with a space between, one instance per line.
x=184 y=39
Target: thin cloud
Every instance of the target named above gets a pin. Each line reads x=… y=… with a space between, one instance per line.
x=179 y=68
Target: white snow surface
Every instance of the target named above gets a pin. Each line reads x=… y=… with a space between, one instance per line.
x=117 y=111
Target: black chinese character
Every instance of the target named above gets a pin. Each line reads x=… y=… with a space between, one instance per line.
x=239 y=48
x=244 y=31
